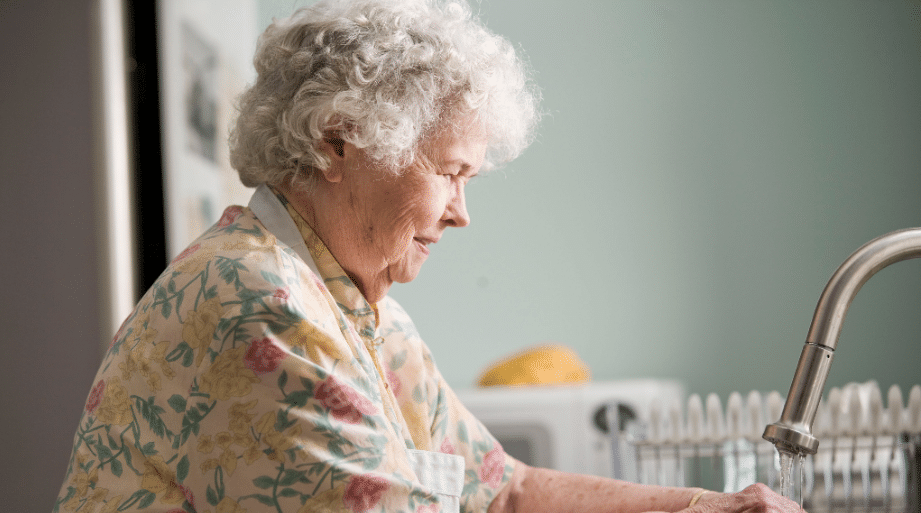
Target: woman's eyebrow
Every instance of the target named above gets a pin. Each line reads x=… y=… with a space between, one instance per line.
x=464 y=166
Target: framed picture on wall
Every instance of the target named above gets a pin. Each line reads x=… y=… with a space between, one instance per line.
x=205 y=54
x=188 y=61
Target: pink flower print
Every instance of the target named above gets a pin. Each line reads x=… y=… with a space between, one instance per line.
x=230 y=215
x=493 y=467
x=282 y=293
x=396 y=386
x=188 y=251
x=364 y=492
x=95 y=398
x=188 y=495
x=356 y=339
x=447 y=447
x=318 y=282
x=343 y=402
x=431 y=508
x=263 y=356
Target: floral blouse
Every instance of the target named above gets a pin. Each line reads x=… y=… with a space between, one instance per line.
x=253 y=376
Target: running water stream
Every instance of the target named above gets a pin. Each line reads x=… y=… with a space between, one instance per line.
x=791 y=476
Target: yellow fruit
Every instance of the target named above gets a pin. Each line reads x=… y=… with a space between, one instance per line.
x=541 y=365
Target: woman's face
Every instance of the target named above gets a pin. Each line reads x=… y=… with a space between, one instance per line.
x=387 y=224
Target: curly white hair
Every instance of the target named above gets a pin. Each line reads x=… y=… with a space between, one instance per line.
x=382 y=74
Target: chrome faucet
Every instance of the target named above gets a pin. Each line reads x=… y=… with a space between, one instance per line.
x=793 y=432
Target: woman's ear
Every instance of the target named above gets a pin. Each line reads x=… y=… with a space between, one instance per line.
x=334 y=148
x=337 y=145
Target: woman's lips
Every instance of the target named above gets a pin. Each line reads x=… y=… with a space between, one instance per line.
x=421 y=243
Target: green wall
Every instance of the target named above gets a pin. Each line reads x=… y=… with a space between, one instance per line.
x=702 y=169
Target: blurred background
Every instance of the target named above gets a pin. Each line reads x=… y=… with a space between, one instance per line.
x=701 y=170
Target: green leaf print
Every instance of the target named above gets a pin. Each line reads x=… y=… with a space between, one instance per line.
x=398 y=359
x=144 y=497
x=419 y=496
x=116 y=467
x=104 y=452
x=265 y=499
x=229 y=271
x=246 y=295
x=128 y=459
x=335 y=449
x=462 y=435
x=292 y=476
x=279 y=327
x=177 y=403
x=147 y=500
x=181 y=351
x=372 y=462
x=472 y=483
x=166 y=309
x=191 y=422
x=159 y=294
x=264 y=482
x=440 y=424
x=182 y=469
x=211 y=495
x=151 y=413
x=282 y=422
x=234 y=228
x=149 y=449
x=272 y=278
x=298 y=399
x=283 y=380
x=377 y=441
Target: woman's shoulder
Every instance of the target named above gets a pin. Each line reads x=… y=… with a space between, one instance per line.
x=239 y=253
x=237 y=269
x=236 y=234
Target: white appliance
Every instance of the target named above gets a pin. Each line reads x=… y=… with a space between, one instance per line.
x=558 y=426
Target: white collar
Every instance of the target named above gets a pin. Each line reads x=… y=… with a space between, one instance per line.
x=274 y=216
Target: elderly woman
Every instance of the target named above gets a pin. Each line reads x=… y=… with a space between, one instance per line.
x=266 y=369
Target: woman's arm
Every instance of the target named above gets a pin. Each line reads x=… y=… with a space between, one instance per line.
x=538 y=490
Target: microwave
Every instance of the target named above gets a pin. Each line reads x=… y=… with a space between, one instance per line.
x=565 y=427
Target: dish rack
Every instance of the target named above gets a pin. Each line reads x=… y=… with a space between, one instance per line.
x=868 y=460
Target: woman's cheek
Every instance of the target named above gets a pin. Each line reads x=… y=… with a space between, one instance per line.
x=424 y=207
x=399 y=234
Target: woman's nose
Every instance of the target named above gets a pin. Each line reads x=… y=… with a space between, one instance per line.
x=456 y=210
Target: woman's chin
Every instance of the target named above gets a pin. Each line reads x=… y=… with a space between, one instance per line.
x=406 y=277
x=406 y=273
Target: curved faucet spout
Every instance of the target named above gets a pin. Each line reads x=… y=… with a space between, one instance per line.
x=853 y=273
x=793 y=432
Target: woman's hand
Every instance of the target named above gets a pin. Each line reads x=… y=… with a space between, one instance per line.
x=757 y=498
x=538 y=490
